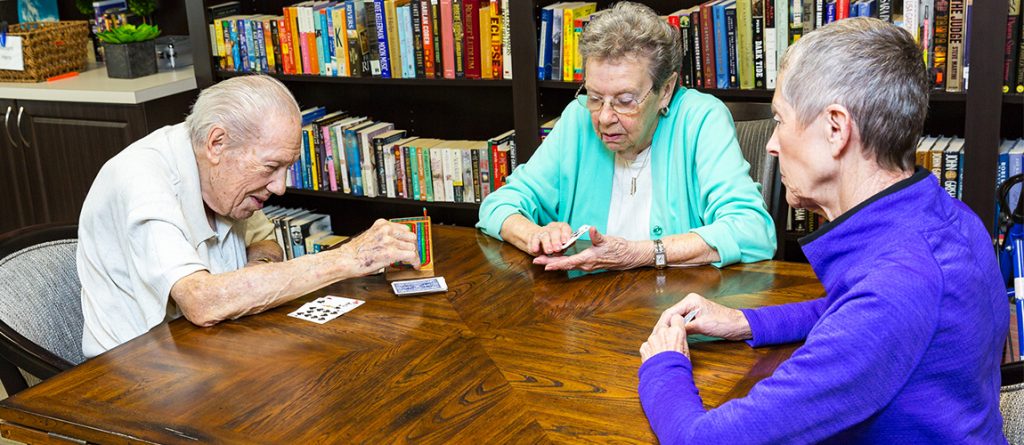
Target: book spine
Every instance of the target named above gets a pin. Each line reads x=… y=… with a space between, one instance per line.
x=406 y=46
x=435 y=28
x=1019 y=88
x=757 y=26
x=471 y=38
x=494 y=27
x=938 y=67
x=842 y=9
x=322 y=56
x=356 y=44
x=544 y=49
x=730 y=45
x=411 y=166
x=950 y=171
x=332 y=159
x=341 y=46
x=275 y=38
x=380 y=27
x=721 y=53
x=568 y=31
x=483 y=154
x=556 y=43
x=577 y=57
x=421 y=178
x=427 y=35
x=686 y=43
x=341 y=162
x=695 y=49
x=745 y=44
x=458 y=39
x=955 y=55
x=370 y=25
x=354 y=161
x=428 y=175
x=380 y=162
x=506 y=40
x=417 y=37
x=398 y=154
x=394 y=44
x=485 y=42
x=327 y=21
x=436 y=174
x=885 y=10
x=707 y=37
x=1013 y=26
x=474 y=158
x=268 y=42
x=447 y=39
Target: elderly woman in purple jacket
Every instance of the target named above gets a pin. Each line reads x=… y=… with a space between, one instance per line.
x=905 y=347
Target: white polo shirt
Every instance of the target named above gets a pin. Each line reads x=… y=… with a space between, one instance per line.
x=143 y=227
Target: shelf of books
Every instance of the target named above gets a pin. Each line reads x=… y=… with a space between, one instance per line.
x=386 y=39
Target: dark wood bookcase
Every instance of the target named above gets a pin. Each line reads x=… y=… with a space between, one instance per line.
x=478 y=109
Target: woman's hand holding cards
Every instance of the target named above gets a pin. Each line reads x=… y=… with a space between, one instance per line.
x=549 y=239
x=606 y=252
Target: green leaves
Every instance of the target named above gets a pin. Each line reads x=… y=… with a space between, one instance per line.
x=129 y=34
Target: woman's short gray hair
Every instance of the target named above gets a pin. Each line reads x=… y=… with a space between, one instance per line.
x=872 y=68
x=241 y=105
x=630 y=29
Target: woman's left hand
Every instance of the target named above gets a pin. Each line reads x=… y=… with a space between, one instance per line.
x=607 y=252
x=666 y=338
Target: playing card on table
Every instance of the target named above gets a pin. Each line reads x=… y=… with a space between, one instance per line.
x=325 y=309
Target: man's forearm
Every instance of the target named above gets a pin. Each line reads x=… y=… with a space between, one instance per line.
x=206 y=299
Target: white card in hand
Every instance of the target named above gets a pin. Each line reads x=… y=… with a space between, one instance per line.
x=325 y=309
x=575 y=236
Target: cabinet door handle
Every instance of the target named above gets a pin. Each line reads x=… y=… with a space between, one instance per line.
x=21 y=110
x=7 y=127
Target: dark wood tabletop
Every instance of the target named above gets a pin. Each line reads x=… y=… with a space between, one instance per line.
x=510 y=353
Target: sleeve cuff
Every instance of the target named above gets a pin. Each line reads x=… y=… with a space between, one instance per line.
x=719 y=238
x=757 y=328
x=491 y=226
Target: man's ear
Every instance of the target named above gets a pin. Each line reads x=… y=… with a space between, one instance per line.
x=840 y=124
x=216 y=144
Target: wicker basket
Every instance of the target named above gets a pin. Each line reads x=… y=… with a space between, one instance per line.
x=49 y=49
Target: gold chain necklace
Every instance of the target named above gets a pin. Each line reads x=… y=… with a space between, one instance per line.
x=629 y=170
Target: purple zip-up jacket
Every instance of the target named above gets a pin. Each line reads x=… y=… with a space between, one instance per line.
x=904 y=348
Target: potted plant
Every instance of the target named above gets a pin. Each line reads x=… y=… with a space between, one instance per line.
x=129 y=50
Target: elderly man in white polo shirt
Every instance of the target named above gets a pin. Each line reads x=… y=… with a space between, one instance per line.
x=177 y=214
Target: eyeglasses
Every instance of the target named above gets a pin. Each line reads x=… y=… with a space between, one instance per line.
x=623 y=104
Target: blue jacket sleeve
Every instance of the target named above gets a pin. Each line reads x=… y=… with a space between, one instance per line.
x=787 y=323
x=854 y=362
x=733 y=210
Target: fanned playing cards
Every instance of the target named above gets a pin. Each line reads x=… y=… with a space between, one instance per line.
x=420 y=225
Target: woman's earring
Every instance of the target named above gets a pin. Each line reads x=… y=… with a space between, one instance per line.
x=663 y=111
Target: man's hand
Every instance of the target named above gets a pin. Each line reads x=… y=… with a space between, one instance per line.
x=548 y=239
x=714 y=319
x=607 y=252
x=383 y=244
x=666 y=338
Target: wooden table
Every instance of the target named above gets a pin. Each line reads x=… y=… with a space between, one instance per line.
x=510 y=354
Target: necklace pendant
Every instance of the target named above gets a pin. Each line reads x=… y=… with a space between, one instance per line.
x=632 y=190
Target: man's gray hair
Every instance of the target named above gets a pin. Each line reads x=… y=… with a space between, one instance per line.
x=241 y=105
x=872 y=68
x=630 y=29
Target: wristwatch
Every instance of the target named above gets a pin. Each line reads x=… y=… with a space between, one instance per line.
x=659 y=254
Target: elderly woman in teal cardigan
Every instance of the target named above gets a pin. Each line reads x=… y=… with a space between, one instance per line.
x=654 y=169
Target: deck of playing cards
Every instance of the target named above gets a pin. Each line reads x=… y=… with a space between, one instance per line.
x=420 y=225
x=325 y=309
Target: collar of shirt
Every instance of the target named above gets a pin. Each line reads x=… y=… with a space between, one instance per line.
x=189 y=190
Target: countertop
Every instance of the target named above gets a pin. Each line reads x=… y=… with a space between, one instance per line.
x=94 y=86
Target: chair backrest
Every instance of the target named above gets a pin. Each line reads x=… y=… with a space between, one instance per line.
x=40 y=303
x=754 y=127
x=1011 y=402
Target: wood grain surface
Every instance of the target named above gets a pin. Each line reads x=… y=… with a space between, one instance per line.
x=510 y=354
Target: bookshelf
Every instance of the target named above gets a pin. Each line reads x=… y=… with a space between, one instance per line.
x=478 y=109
